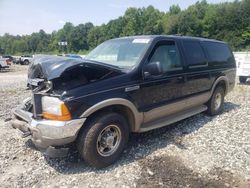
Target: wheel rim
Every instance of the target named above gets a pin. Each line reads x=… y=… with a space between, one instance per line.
x=217 y=101
x=108 y=140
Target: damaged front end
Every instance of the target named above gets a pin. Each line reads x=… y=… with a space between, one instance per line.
x=58 y=74
x=45 y=116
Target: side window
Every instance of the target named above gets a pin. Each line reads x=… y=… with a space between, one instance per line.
x=194 y=53
x=218 y=52
x=168 y=55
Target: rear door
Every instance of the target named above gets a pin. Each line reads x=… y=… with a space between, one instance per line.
x=198 y=74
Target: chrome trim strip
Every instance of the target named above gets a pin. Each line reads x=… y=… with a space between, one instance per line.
x=198 y=66
x=132 y=88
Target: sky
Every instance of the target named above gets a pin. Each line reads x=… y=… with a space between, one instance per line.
x=21 y=17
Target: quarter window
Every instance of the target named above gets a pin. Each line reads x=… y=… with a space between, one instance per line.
x=168 y=56
x=218 y=52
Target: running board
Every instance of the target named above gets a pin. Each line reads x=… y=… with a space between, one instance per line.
x=172 y=118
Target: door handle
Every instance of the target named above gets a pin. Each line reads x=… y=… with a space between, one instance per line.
x=182 y=78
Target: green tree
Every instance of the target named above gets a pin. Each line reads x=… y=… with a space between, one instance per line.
x=174 y=9
x=229 y=22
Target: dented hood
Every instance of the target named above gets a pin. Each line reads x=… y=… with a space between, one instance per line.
x=51 y=67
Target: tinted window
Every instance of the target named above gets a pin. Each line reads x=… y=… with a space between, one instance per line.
x=194 y=53
x=168 y=56
x=218 y=52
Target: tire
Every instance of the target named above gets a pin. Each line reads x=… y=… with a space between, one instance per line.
x=216 y=103
x=94 y=137
x=243 y=79
x=26 y=62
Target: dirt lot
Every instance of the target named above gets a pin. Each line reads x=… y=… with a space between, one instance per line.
x=200 y=151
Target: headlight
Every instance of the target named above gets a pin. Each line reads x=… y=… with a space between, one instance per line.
x=48 y=86
x=55 y=109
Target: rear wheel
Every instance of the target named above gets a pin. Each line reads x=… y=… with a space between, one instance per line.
x=243 y=79
x=216 y=103
x=103 y=139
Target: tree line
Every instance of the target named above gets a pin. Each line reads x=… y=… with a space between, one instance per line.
x=229 y=22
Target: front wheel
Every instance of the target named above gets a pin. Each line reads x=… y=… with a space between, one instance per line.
x=26 y=62
x=216 y=103
x=103 y=139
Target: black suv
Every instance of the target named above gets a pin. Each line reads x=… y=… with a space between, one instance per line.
x=131 y=84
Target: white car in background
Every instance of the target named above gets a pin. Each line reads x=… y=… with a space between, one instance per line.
x=25 y=59
x=4 y=62
x=243 y=65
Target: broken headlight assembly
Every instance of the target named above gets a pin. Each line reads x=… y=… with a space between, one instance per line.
x=38 y=84
x=48 y=86
x=55 y=109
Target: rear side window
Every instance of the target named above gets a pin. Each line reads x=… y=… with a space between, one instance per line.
x=218 y=52
x=194 y=53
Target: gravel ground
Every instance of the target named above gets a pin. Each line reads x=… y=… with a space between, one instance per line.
x=200 y=151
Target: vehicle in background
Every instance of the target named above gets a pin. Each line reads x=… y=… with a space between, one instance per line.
x=243 y=65
x=11 y=58
x=16 y=59
x=73 y=56
x=4 y=62
x=25 y=59
x=83 y=56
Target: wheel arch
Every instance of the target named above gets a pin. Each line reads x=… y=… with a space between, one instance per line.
x=222 y=81
x=121 y=106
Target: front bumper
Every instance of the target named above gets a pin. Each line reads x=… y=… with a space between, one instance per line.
x=46 y=133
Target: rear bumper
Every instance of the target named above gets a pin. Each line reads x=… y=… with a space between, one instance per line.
x=46 y=133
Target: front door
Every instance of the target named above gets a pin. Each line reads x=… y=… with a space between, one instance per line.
x=156 y=92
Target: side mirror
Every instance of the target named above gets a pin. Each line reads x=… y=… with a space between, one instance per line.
x=153 y=69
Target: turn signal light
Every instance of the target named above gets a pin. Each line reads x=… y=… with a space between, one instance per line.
x=64 y=115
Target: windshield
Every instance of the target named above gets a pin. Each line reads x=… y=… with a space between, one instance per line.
x=124 y=53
